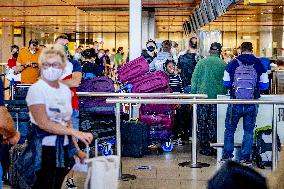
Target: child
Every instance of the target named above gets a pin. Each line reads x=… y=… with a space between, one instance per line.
x=175 y=80
x=180 y=129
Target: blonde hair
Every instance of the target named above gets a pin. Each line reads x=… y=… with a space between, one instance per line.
x=51 y=51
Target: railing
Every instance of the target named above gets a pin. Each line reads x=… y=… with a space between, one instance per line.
x=194 y=163
x=138 y=97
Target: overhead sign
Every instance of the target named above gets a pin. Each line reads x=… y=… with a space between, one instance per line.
x=247 y=2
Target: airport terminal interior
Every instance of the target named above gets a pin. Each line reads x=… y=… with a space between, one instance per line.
x=165 y=94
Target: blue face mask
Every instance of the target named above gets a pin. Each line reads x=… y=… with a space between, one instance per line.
x=151 y=48
x=66 y=48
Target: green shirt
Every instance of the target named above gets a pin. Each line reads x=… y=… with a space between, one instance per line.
x=207 y=77
x=117 y=59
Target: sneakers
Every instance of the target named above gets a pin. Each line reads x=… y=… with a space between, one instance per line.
x=70 y=184
x=178 y=142
x=246 y=163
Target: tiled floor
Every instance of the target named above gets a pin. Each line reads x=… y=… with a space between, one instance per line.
x=165 y=172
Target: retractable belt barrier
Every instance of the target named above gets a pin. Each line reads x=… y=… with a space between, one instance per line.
x=194 y=102
x=136 y=98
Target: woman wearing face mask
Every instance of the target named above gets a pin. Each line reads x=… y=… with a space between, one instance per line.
x=49 y=153
x=149 y=54
x=12 y=69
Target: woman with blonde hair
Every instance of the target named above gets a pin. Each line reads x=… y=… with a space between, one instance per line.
x=49 y=154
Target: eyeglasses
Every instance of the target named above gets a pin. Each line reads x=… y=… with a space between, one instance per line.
x=54 y=65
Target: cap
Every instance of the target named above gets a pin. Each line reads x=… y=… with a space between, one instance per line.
x=216 y=46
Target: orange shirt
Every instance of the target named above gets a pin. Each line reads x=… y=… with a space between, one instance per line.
x=29 y=75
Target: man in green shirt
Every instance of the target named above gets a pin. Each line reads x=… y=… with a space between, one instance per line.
x=207 y=79
x=118 y=57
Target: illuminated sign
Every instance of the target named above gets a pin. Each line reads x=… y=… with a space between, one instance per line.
x=247 y=2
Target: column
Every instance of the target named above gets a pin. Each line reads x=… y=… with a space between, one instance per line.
x=152 y=25
x=148 y=27
x=7 y=40
x=277 y=32
x=135 y=28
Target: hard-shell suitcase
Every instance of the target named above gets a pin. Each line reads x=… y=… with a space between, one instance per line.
x=134 y=139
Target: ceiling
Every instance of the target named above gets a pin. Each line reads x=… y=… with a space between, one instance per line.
x=83 y=16
x=251 y=18
x=90 y=15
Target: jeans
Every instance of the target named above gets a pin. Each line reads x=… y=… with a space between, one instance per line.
x=234 y=113
x=1 y=173
x=187 y=89
x=207 y=125
x=75 y=119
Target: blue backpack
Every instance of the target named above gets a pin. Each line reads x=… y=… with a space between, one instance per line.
x=245 y=81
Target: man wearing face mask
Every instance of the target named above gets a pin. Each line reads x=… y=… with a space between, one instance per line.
x=28 y=59
x=149 y=54
x=71 y=77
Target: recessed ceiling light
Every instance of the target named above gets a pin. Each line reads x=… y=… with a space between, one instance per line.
x=4 y=18
x=261 y=13
x=23 y=22
x=51 y=18
x=269 y=10
x=280 y=7
x=254 y=15
x=31 y=23
x=248 y=18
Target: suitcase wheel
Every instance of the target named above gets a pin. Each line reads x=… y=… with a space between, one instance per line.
x=167 y=146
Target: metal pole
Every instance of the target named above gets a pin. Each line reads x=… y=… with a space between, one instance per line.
x=194 y=137
x=118 y=136
x=274 y=139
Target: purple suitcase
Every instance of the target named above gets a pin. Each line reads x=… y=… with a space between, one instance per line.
x=153 y=82
x=133 y=69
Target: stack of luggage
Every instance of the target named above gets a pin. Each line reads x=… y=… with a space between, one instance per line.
x=97 y=116
x=158 y=118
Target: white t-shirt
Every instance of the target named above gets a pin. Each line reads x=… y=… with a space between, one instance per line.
x=57 y=103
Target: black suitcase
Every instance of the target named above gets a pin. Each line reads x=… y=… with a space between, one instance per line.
x=134 y=139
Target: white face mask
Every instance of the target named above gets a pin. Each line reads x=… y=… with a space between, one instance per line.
x=52 y=74
x=100 y=55
x=77 y=56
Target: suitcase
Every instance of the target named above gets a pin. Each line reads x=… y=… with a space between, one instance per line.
x=20 y=115
x=154 y=82
x=133 y=69
x=134 y=139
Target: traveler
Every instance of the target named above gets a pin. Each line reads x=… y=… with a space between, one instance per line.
x=13 y=71
x=207 y=78
x=247 y=89
x=7 y=129
x=108 y=65
x=118 y=58
x=77 y=55
x=12 y=62
x=174 y=51
x=71 y=77
x=187 y=63
x=175 y=81
x=232 y=175
x=162 y=57
x=48 y=156
x=90 y=69
x=28 y=59
x=149 y=53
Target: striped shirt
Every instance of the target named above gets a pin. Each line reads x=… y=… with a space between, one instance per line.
x=176 y=83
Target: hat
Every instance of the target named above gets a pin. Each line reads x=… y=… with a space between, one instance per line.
x=216 y=46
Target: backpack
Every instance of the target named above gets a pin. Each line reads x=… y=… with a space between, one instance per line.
x=133 y=69
x=262 y=152
x=245 y=81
